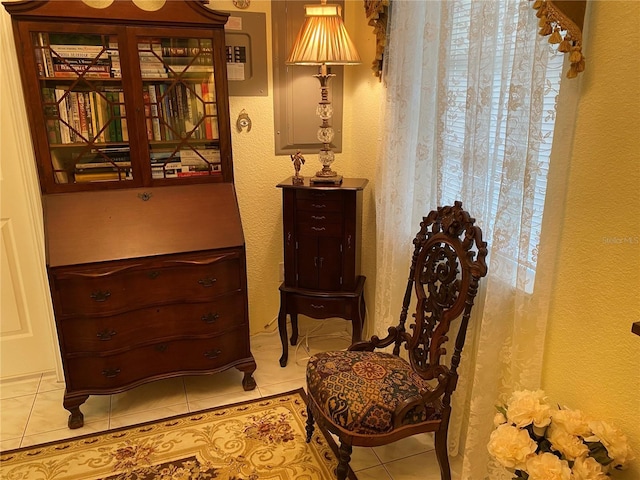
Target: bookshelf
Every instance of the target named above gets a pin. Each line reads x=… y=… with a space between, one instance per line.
x=127 y=106
x=129 y=118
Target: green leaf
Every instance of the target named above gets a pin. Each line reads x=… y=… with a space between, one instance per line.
x=599 y=453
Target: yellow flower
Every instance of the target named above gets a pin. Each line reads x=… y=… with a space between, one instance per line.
x=511 y=446
x=573 y=421
x=571 y=446
x=587 y=468
x=529 y=407
x=547 y=466
x=613 y=440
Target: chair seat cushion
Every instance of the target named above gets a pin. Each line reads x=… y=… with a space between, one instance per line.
x=359 y=391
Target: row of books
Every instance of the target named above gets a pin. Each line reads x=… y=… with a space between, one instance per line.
x=158 y=58
x=176 y=111
x=115 y=164
x=70 y=60
x=84 y=116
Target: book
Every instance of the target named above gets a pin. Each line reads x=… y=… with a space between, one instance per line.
x=82 y=177
x=61 y=95
x=51 y=115
x=123 y=117
x=59 y=173
x=155 y=119
x=76 y=51
x=146 y=100
x=46 y=54
x=192 y=157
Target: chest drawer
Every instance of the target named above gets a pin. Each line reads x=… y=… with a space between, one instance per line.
x=151 y=325
x=318 y=201
x=319 y=307
x=116 y=289
x=178 y=357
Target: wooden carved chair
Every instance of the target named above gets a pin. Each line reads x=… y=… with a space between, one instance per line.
x=370 y=398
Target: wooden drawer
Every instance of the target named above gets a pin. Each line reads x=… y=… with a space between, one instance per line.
x=318 y=201
x=319 y=307
x=151 y=325
x=180 y=357
x=116 y=289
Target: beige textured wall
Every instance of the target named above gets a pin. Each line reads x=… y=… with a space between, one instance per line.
x=592 y=360
x=257 y=169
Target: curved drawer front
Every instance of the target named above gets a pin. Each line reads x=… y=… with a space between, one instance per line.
x=148 y=325
x=87 y=293
x=319 y=205
x=319 y=307
x=93 y=373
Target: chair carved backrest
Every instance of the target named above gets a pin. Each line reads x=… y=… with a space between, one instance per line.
x=448 y=261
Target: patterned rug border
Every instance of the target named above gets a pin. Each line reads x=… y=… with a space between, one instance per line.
x=300 y=392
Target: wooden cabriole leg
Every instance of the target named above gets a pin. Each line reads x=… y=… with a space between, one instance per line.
x=344 y=457
x=310 y=424
x=248 y=382
x=294 y=329
x=282 y=329
x=441 y=453
x=72 y=403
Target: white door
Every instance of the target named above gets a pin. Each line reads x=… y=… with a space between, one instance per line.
x=26 y=319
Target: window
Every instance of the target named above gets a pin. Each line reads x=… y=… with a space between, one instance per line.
x=457 y=152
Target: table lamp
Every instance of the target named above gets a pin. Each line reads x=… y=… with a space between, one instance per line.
x=323 y=40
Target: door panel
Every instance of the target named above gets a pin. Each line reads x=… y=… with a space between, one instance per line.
x=26 y=334
x=330 y=263
x=307 y=259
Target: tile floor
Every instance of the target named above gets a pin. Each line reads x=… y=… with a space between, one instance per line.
x=31 y=409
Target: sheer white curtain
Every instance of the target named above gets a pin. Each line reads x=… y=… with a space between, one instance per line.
x=470 y=113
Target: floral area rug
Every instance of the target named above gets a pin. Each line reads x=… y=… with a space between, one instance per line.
x=263 y=439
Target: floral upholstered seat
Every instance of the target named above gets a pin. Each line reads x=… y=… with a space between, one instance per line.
x=378 y=383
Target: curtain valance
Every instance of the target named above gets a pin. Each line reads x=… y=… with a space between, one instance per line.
x=558 y=16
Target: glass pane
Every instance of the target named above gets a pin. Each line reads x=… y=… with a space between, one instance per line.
x=180 y=106
x=84 y=106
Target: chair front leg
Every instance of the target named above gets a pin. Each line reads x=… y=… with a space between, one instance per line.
x=344 y=457
x=310 y=424
x=441 y=454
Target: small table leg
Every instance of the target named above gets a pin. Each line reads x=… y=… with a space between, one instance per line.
x=282 y=328
x=294 y=329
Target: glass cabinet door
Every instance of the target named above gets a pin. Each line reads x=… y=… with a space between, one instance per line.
x=84 y=106
x=180 y=108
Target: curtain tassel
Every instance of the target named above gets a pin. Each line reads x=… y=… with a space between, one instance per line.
x=565 y=45
x=545 y=30
x=576 y=54
x=555 y=36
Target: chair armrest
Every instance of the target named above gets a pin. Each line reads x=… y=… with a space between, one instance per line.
x=375 y=342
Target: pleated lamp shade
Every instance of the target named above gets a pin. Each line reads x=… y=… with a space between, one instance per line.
x=323 y=39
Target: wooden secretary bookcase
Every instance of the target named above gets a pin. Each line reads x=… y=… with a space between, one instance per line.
x=129 y=117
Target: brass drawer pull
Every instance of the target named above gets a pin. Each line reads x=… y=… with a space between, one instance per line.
x=100 y=296
x=161 y=348
x=106 y=335
x=207 y=282
x=318 y=205
x=317 y=307
x=318 y=229
x=211 y=354
x=210 y=317
x=153 y=275
x=318 y=217
x=111 y=372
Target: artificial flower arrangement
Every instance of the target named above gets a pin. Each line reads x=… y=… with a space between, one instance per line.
x=539 y=442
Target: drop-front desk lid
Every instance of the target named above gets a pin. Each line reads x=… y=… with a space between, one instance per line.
x=88 y=227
